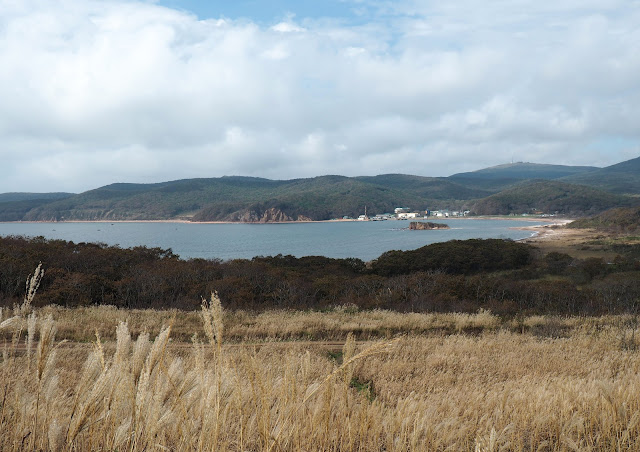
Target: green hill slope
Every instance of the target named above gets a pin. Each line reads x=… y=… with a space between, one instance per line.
x=14 y=206
x=550 y=197
x=255 y=199
x=618 y=219
x=622 y=177
x=503 y=189
x=166 y=200
x=11 y=197
x=503 y=176
x=428 y=187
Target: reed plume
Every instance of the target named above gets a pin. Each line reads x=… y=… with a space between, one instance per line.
x=500 y=389
x=32 y=284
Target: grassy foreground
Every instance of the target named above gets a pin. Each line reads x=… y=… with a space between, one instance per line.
x=419 y=382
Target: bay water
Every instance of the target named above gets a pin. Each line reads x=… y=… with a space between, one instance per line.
x=361 y=239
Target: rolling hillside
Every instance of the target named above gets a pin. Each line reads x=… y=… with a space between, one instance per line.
x=550 y=197
x=11 y=197
x=622 y=177
x=14 y=206
x=427 y=187
x=499 y=177
x=618 y=219
x=253 y=199
x=504 y=189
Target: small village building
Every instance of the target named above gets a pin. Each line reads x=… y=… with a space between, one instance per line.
x=407 y=215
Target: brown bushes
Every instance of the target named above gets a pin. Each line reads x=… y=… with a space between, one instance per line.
x=93 y=274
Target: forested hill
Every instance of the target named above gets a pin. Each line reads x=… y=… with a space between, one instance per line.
x=14 y=206
x=550 y=197
x=503 y=176
x=255 y=200
x=619 y=178
x=11 y=197
x=619 y=220
x=505 y=189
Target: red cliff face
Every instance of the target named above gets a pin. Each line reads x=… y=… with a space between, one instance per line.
x=249 y=215
x=274 y=215
x=271 y=215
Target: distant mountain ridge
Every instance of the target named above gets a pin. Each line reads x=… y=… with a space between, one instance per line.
x=238 y=198
x=550 y=197
x=622 y=177
x=504 y=189
x=525 y=170
x=19 y=196
x=506 y=175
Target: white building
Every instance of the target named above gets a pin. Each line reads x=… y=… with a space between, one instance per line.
x=407 y=215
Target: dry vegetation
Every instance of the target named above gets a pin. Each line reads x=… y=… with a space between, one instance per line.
x=580 y=243
x=346 y=379
x=81 y=324
x=450 y=382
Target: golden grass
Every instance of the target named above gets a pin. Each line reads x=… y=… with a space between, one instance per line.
x=538 y=383
x=581 y=243
x=80 y=324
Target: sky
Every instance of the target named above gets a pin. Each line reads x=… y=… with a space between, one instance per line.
x=104 y=91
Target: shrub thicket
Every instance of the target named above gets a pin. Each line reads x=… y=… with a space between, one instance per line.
x=456 y=257
x=504 y=276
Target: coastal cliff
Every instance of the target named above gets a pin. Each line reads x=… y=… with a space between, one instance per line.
x=250 y=215
x=271 y=215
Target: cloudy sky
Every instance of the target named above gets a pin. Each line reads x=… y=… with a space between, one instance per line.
x=95 y=92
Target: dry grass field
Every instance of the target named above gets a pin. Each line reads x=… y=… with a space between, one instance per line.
x=169 y=380
x=579 y=243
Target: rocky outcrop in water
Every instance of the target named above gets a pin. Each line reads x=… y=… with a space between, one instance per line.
x=426 y=225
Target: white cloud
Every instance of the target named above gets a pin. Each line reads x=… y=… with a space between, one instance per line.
x=95 y=92
x=287 y=27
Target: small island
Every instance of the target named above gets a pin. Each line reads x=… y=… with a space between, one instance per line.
x=422 y=225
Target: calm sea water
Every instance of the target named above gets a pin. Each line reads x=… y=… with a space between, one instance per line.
x=364 y=240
